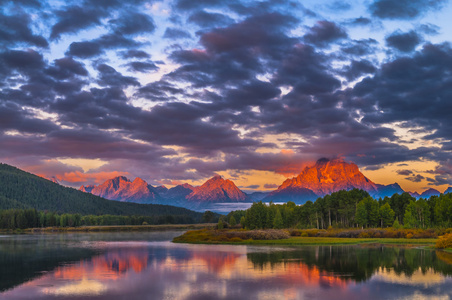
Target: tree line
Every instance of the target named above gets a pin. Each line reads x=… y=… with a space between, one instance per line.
x=22 y=190
x=32 y=218
x=348 y=209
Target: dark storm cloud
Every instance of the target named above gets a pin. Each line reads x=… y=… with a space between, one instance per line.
x=84 y=49
x=358 y=68
x=88 y=49
x=323 y=33
x=143 y=67
x=176 y=33
x=404 y=9
x=105 y=108
x=133 y=53
x=74 y=18
x=236 y=53
x=159 y=91
x=413 y=90
x=13 y=117
x=404 y=42
x=108 y=76
x=85 y=143
x=130 y=23
x=252 y=93
x=247 y=69
x=24 y=61
x=207 y=19
x=186 y=5
x=15 y=30
x=306 y=70
x=360 y=47
x=22 y=3
x=181 y=124
x=66 y=67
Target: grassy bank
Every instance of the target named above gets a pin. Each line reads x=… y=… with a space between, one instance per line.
x=283 y=237
x=113 y=228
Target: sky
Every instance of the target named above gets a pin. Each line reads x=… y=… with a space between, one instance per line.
x=178 y=91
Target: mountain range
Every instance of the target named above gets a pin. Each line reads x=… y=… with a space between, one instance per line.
x=324 y=177
x=20 y=189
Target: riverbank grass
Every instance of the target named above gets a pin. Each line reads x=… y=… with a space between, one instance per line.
x=282 y=237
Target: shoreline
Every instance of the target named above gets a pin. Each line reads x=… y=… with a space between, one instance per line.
x=110 y=228
x=218 y=237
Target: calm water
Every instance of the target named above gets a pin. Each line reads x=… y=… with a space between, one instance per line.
x=147 y=266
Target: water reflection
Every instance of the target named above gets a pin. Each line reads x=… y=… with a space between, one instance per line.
x=147 y=267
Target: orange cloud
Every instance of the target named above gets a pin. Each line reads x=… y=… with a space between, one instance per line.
x=169 y=182
x=78 y=177
x=287 y=151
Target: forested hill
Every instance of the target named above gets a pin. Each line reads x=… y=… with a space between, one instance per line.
x=19 y=189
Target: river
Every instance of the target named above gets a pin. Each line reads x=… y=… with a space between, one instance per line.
x=147 y=265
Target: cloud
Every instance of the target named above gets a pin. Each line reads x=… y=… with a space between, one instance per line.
x=13 y=117
x=360 y=47
x=404 y=9
x=108 y=76
x=413 y=90
x=270 y=186
x=176 y=33
x=132 y=23
x=88 y=49
x=143 y=67
x=206 y=19
x=404 y=42
x=404 y=172
x=133 y=53
x=358 y=68
x=74 y=18
x=323 y=33
x=79 y=178
x=415 y=178
x=15 y=30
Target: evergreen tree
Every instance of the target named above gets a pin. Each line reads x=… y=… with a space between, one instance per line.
x=278 y=221
x=220 y=224
x=386 y=215
x=232 y=221
x=361 y=214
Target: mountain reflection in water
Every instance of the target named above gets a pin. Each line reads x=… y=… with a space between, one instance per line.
x=146 y=269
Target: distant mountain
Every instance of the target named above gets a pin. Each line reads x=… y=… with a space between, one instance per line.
x=324 y=177
x=430 y=192
x=258 y=196
x=214 y=190
x=217 y=189
x=161 y=189
x=19 y=189
x=414 y=194
x=179 y=192
x=388 y=190
x=122 y=189
x=448 y=190
x=87 y=189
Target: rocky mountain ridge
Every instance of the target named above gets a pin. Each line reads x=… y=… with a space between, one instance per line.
x=324 y=177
